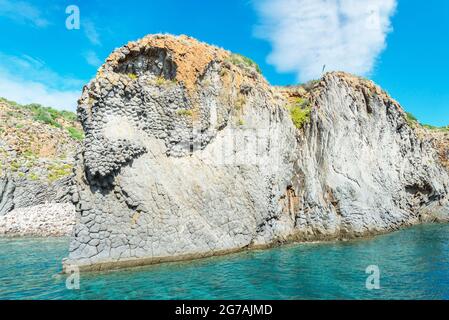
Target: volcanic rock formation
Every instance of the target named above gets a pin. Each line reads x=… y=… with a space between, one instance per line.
x=189 y=152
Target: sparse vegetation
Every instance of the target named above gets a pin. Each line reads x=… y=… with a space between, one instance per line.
x=430 y=127
x=29 y=154
x=245 y=62
x=69 y=116
x=435 y=128
x=241 y=101
x=309 y=85
x=223 y=72
x=413 y=122
x=300 y=112
x=30 y=164
x=29 y=134
x=184 y=112
x=33 y=176
x=56 y=172
x=46 y=115
x=53 y=113
x=75 y=133
x=91 y=101
x=15 y=166
x=411 y=119
x=11 y=103
x=161 y=81
x=14 y=114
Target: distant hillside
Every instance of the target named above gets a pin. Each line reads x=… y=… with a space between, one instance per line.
x=37 y=142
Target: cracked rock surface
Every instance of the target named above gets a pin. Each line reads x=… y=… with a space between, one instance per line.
x=189 y=154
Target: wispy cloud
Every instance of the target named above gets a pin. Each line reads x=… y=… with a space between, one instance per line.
x=26 y=79
x=92 y=59
x=23 y=12
x=305 y=35
x=90 y=31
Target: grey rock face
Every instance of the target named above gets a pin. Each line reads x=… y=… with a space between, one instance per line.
x=364 y=169
x=36 y=208
x=6 y=195
x=172 y=170
x=16 y=192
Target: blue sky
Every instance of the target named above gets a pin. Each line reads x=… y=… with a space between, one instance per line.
x=403 y=45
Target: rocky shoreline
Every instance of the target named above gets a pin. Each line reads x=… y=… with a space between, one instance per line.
x=141 y=262
x=45 y=220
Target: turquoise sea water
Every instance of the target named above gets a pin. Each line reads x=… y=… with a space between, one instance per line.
x=414 y=264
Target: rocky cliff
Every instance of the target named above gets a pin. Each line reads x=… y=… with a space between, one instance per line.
x=189 y=152
x=37 y=152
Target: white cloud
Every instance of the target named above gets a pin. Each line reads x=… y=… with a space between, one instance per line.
x=305 y=35
x=26 y=92
x=26 y=80
x=23 y=12
x=92 y=59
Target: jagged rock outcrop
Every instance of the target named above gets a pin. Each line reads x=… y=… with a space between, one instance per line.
x=364 y=169
x=189 y=152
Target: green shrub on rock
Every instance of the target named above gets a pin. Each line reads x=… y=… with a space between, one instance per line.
x=242 y=61
x=48 y=116
x=56 y=172
x=184 y=112
x=411 y=119
x=33 y=176
x=75 y=133
x=414 y=122
x=300 y=112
